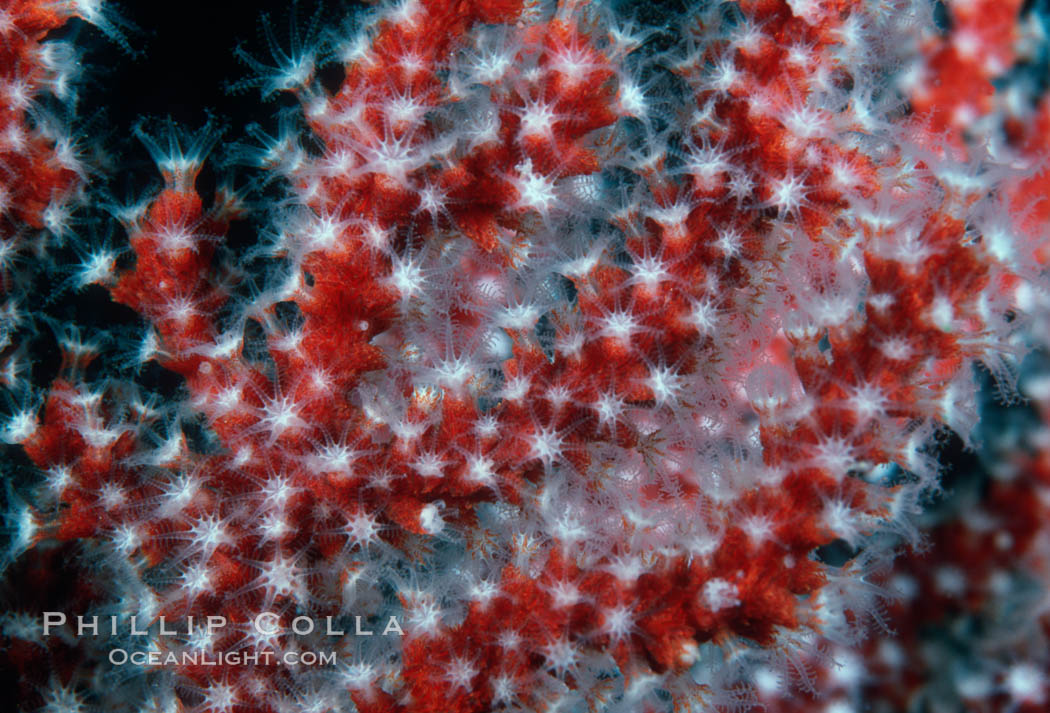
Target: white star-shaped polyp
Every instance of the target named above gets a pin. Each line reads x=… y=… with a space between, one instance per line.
x=432 y=199
x=565 y=594
x=196 y=579
x=758 y=529
x=706 y=164
x=609 y=407
x=842 y=520
x=177 y=494
x=276 y=491
x=490 y=67
x=868 y=401
x=632 y=98
x=720 y=594
x=896 y=348
x=729 y=242
x=724 y=74
x=545 y=445
x=430 y=519
x=460 y=673
x=509 y=640
x=97 y=268
x=672 y=218
x=335 y=458
x=406 y=276
x=619 y=325
x=405 y=109
x=519 y=316
x=207 y=534
x=393 y=157
x=486 y=426
x=423 y=614
x=516 y=388
x=111 y=496
x=562 y=656
x=281 y=577
x=358 y=676
x=480 y=469
x=362 y=529
x=573 y=62
x=1025 y=683
x=535 y=190
x=537 y=120
x=279 y=415
x=274 y=526
x=787 y=194
x=126 y=539
x=649 y=272
x=18 y=92
x=704 y=316
x=748 y=36
x=220 y=697
x=665 y=384
x=60 y=699
x=836 y=456
x=618 y=622
x=173 y=238
x=58 y=477
x=483 y=591
x=502 y=689
x=806 y=122
x=429 y=465
x=454 y=373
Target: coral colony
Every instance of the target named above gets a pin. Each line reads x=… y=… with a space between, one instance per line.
x=580 y=364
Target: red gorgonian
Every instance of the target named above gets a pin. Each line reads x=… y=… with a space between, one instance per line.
x=570 y=344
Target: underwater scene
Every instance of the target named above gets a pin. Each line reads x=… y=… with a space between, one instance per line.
x=546 y=356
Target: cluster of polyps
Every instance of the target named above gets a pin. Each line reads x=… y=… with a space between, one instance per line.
x=40 y=172
x=567 y=351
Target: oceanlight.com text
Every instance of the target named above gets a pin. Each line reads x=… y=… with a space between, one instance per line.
x=120 y=657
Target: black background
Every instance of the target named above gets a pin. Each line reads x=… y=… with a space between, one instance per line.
x=184 y=57
x=179 y=60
